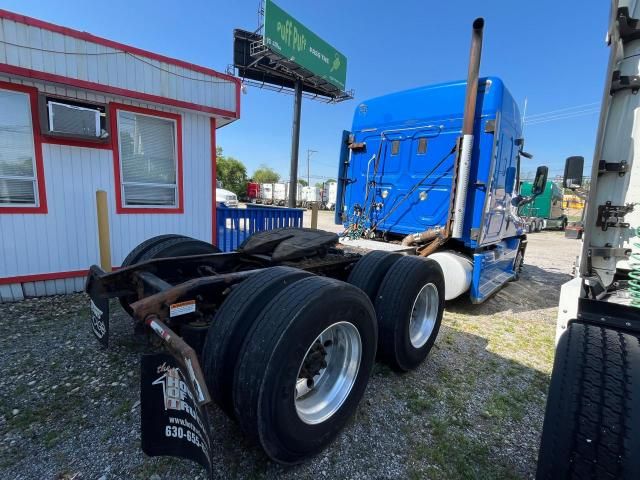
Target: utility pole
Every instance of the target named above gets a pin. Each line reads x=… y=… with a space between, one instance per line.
x=295 y=143
x=309 y=153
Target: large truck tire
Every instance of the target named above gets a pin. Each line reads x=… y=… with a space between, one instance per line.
x=368 y=272
x=592 y=420
x=409 y=307
x=232 y=323
x=304 y=368
x=163 y=246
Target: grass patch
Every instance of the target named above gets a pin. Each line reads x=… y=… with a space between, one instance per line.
x=454 y=454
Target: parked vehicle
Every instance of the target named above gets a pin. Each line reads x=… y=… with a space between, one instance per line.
x=407 y=175
x=225 y=197
x=253 y=192
x=311 y=195
x=279 y=194
x=287 y=329
x=299 y=197
x=546 y=211
x=288 y=326
x=329 y=195
x=592 y=420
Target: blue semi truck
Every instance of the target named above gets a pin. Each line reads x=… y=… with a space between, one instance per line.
x=410 y=180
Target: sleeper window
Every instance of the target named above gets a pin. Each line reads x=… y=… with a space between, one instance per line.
x=395 y=147
x=18 y=182
x=422 y=146
x=148 y=160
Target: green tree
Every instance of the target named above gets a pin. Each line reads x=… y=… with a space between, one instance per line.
x=302 y=182
x=265 y=174
x=231 y=172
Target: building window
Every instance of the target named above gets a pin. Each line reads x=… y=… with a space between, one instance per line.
x=149 y=166
x=20 y=154
x=422 y=146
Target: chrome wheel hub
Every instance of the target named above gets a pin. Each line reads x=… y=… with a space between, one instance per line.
x=328 y=372
x=423 y=315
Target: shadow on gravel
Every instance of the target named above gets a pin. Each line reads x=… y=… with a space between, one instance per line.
x=537 y=289
x=467 y=412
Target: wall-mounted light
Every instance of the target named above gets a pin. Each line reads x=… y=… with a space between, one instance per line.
x=423 y=196
x=385 y=193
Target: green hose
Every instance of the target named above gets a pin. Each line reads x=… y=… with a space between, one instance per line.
x=634 y=283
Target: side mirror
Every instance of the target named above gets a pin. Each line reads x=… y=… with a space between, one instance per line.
x=573 y=168
x=540 y=181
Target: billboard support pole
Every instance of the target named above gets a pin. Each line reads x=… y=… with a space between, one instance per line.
x=295 y=145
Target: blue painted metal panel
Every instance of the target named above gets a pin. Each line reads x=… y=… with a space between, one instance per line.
x=235 y=225
x=493 y=268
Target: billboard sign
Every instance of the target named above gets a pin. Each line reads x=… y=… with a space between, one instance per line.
x=287 y=37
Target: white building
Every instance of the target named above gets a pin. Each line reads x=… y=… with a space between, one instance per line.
x=79 y=113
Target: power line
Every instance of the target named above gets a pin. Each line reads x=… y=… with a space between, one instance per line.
x=566 y=116
x=584 y=105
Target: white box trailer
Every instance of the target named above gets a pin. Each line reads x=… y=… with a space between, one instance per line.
x=329 y=195
x=298 y=193
x=279 y=194
x=311 y=195
x=266 y=193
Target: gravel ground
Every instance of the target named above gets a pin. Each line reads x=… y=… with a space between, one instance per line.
x=68 y=410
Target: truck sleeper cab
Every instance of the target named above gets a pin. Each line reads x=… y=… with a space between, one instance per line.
x=396 y=179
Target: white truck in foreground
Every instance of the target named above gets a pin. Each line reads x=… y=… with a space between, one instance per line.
x=592 y=421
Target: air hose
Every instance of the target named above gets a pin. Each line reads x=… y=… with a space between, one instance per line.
x=634 y=274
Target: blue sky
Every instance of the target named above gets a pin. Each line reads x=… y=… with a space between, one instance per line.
x=551 y=52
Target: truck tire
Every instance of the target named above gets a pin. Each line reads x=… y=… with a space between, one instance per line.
x=133 y=257
x=409 y=307
x=304 y=368
x=368 y=272
x=233 y=322
x=592 y=421
x=178 y=247
x=163 y=246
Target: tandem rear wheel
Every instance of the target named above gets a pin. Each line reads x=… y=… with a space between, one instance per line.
x=288 y=354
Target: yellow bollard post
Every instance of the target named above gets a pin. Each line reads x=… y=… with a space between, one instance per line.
x=104 y=243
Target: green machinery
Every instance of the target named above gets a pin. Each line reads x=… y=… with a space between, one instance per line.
x=546 y=210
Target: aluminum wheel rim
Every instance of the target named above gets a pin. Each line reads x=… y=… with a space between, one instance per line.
x=318 y=400
x=423 y=315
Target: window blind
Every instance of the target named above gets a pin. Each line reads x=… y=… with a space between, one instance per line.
x=17 y=153
x=147 y=160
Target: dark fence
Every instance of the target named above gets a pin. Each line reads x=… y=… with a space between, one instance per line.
x=237 y=224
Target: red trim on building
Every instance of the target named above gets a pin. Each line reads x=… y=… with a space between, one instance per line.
x=214 y=227
x=34 y=22
x=39 y=277
x=76 y=143
x=116 y=91
x=113 y=112
x=37 y=146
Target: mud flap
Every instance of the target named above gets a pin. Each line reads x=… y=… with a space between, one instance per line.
x=100 y=319
x=172 y=422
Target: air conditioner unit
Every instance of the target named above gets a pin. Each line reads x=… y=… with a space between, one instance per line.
x=74 y=120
